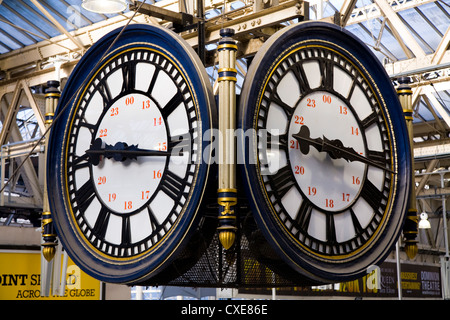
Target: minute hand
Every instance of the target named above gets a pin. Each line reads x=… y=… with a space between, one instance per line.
x=335 y=148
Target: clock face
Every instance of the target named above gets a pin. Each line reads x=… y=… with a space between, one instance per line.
x=327 y=181
x=131 y=179
x=126 y=203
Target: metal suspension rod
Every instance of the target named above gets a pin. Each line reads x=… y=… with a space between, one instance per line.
x=227 y=192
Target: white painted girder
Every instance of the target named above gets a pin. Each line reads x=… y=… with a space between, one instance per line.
x=372 y=11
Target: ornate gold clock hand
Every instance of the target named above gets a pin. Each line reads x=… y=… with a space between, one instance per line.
x=335 y=148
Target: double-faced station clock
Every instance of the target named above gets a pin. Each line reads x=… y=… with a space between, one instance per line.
x=127 y=168
x=328 y=165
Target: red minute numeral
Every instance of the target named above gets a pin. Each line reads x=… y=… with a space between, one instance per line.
x=129 y=100
x=343 y=110
x=114 y=111
x=329 y=203
x=157 y=121
x=299 y=170
x=326 y=98
x=355 y=131
x=294 y=144
x=356 y=180
x=146 y=104
x=346 y=197
x=299 y=120
x=311 y=103
x=312 y=191
x=112 y=197
x=128 y=205
x=162 y=146
x=157 y=174
x=103 y=133
x=145 y=194
x=101 y=180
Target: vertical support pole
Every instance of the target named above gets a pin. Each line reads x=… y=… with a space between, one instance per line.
x=201 y=31
x=410 y=228
x=227 y=192
x=399 y=271
x=48 y=232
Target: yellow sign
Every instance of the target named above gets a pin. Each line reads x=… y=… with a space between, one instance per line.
x=20 y=279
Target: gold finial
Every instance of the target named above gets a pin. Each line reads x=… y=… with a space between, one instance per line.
x=48 y=252
x=227 y=238
x=411 y=250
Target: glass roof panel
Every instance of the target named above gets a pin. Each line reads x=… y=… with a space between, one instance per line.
x=11 y=37
x=439 y=18
x=424 y=112
x=427 y=36
x=28 y=17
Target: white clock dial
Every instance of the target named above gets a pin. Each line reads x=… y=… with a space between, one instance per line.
x=326 y=116
x=126 y=186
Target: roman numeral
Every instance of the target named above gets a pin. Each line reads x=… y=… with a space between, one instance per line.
x=358 y=229
x=326 y=71
x=274 y=140
x=172 y=185
x=152 y=83
x=90 y=126
x=126 y=232
x=78 y=163
x=330 y=229
x=153 y=221
x=300 y=75
x=372 y=195
x=282 y=181
x=369 y=120
x=129 y=75
x=84 y=196
x=105 y=92
x=304 y=215
x=287 y=108
x=176 y=100
x=378 y=157
x=101 y=224
x=180 y=144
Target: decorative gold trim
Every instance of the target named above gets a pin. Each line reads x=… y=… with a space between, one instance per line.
x=227 y=46
x=48 y=95
x=227 y=70
x=234 y=79
x=227 y=190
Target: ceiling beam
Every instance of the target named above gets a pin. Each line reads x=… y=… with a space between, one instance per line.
x=372 y=11
x=346 y=11
x=58 y=25
x=437 y=105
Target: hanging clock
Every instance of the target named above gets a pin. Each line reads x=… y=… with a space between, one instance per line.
x=127 y=169
x=327 y=169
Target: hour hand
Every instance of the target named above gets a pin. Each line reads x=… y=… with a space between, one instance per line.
x=335 y=148
x=119 y=152
x=305 y=141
